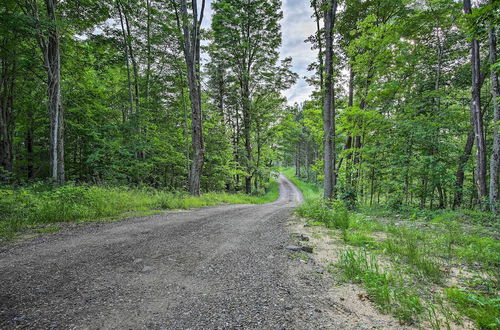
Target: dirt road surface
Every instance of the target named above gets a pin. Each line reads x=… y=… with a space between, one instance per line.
x=221 y=267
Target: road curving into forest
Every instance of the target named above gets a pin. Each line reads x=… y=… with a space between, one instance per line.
x=216 y=267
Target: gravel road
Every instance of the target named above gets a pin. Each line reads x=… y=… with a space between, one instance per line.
x=220 y=267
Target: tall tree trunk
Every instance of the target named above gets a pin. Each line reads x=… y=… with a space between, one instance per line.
x=6 y=104
x=54 y=96
x=495 y=153
x=247 y=136
x=462 y=161
x=476 y=115
x=148 y=49
x=134 y=63
x=329 y=105
x=191 y=49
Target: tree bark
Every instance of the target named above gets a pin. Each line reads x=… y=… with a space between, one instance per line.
x=329 y=105
x=54 y=96
x=495 y=153
x=477 y=118
x=6 y=104
x=129 y=78
x=247 y=136
x=191 y=49
x=462 y=160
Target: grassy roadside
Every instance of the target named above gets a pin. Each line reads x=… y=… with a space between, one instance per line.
x=430 y=269
x=40 y=207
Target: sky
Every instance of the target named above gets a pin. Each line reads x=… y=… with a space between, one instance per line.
x=297 y=25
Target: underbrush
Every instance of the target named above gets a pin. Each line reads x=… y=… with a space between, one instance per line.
x=39 y=205
x=430 y=268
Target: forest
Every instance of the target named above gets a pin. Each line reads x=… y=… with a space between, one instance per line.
x=115 y=92
x=113 y=109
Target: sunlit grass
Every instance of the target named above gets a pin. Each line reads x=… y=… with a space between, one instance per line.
x=39 y=205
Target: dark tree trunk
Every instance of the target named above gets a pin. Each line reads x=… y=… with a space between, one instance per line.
x=329 y=105
x=6 y=104
x=477 y=118
x=29 y=148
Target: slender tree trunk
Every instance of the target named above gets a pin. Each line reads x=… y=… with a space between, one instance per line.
x=134 y=63
x=191 y=48
x=372 y=185
x=186 y=123
x=148 y=48
x=129 y=77
x=476 y=115
x=29 y=147
x=54 y=96
x=495 y=153
x=329 y=105
x=247 y=136
x=348 y=145
x=462 y=161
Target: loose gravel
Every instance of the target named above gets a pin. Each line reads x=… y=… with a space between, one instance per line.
x=222 y=267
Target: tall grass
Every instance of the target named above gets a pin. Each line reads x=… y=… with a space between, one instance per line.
x=420 y=251
x=40 y=205
x=385 y=287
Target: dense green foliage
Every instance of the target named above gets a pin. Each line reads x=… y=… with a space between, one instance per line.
x=125 y=96
x=403 y=77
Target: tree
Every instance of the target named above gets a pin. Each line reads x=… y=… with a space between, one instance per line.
x=247 y=33
x=495 y=152
x=476 y=116
x=191 y=48
x=329 y=155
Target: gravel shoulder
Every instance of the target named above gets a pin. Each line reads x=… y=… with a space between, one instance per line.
x=217 y=267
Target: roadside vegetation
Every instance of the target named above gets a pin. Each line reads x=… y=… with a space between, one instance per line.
x=40 y=207
x=432 y=268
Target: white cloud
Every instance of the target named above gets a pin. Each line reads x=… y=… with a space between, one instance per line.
x=297 y=25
